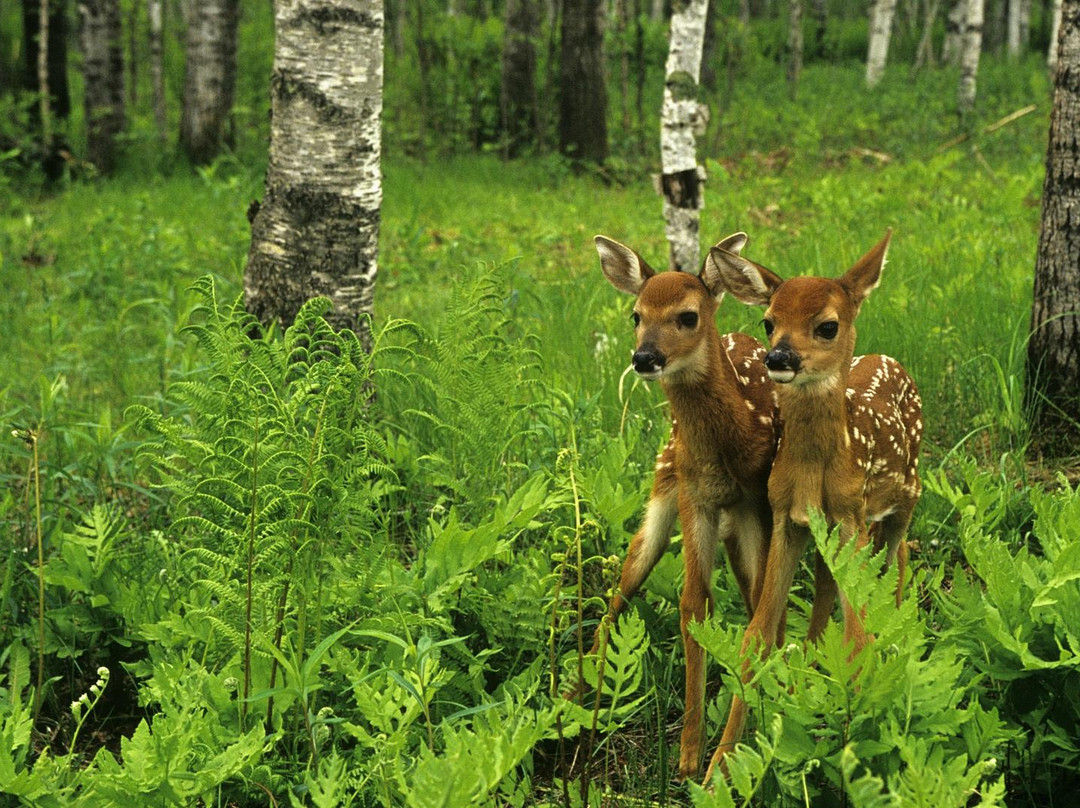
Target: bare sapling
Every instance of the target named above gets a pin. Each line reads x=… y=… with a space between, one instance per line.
x=849 y=441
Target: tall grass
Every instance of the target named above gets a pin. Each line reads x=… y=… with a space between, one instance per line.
x=382 y=579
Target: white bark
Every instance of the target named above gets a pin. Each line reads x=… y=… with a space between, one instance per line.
x=156 y=15
x=209 y=76
x=316 y=231
x=954 y=32
x=1055 y=27
x=795 y=45
x=881 y=18
x=1012 y=29
x=682 y=119
x=969 y=55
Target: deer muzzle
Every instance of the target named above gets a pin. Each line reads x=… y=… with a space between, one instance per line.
x=782 y=363
x=648 y=361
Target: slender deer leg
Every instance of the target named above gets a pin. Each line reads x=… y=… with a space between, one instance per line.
x=889 y=535
x=648 y=544
x=646 y=547
x=785 y=550
x=824 y=598
x=699 y=550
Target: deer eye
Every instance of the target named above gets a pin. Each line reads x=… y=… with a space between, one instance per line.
x=688 y=319
x=767 y=324
x=636 y=318
x=827 y=330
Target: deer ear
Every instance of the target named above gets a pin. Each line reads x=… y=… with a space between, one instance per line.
x=624 y=268
x=709 y=274
x=750 y=283
x=864 y=277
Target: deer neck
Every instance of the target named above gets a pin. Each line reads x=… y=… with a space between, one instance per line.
x=815 y=449
x=701 y=399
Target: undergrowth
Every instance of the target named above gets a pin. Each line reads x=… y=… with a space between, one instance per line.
x=248 y=568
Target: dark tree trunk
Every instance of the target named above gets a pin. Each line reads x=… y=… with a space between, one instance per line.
x=317 y=229
x=582 y=95
x=56 y=52
x=103 y=72
x=209 y=78
x=1053 y=369
x=520 y=115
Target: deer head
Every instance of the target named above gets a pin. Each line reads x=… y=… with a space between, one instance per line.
x=810 y=322
x=674 y=313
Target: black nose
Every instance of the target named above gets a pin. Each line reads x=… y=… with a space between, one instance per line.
x=782 y=358
x=647 y=360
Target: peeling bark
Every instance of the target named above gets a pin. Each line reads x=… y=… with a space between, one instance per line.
x=1053 y=369
x=682 y=119
x=316 y=231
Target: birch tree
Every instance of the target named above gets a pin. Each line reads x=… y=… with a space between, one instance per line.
x=971 y=46
x=316 y=230
x=682 y=120
x=155 y=12
x=794 y=45
x=1055 y=28
x=103 y=76
x=209 y=77
x=954 y=32
x=881 y=19
x=1013 y=41
x=1053 y=368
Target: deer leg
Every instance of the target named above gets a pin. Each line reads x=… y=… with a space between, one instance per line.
x=854 y=631
x=646 y=547
x=785 y=549
x=699 y=551
x=745 y=530
x=824 y=598
x=890 y=534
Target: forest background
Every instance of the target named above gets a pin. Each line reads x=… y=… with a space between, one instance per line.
x=232 y=577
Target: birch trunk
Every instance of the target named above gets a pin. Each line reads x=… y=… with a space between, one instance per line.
x=44 y=93
x=954 y=32
x=881 y=18
x=103 y=75
x=969 y=55
x=316 y=231
x=1012 y=33
x=209 y=77
x=155 y=13
x=1053 y=369
x=794 y=46
x=682 y=120
x=1055 y=28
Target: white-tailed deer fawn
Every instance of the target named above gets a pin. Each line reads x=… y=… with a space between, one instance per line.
x=850 y=436
x=714 y=471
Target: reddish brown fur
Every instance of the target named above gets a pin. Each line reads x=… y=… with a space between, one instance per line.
x=714 y=471
x=850 y=437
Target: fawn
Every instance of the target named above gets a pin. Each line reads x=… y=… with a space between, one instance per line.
x=714 y=470
x=850 y=435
